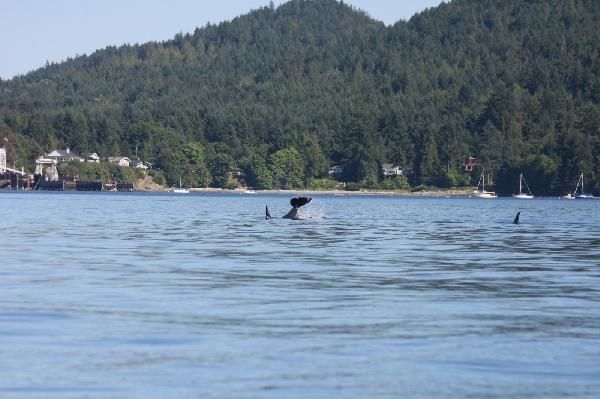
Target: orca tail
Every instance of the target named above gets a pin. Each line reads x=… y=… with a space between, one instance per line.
x=516 y=221
x=267 y=214
x=300 y=201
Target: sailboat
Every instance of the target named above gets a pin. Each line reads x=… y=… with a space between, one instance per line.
x=180 y=190
x=483 y=193
x=583 y=194
x=521 y=194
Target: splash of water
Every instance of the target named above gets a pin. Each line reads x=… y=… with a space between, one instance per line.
x=311 y=212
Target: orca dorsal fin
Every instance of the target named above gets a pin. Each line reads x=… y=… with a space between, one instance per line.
x=267 y=214
x=516 y=221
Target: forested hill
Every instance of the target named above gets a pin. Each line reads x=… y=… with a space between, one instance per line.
x=285 y=92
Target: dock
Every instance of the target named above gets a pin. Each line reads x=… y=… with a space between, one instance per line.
x=85 y=186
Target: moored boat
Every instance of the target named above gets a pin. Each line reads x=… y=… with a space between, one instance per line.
x=521 y=194
x=483 y=194
x=583 y=194
x=179 y=190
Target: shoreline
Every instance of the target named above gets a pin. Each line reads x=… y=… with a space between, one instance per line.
x=425 y=193
x=451 y=193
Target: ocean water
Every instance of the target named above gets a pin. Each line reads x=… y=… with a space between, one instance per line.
x=197 y=296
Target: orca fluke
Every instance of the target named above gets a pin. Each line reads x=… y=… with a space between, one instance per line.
x=293 y=213
x=299 y=201
x=296 y=204
x=516 y=221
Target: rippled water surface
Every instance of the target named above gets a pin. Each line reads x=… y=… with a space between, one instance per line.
x=197 y=296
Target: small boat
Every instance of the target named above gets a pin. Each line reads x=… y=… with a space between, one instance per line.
x=583 y=194
x=521 y=194
x=180 y=190
x=483 y=193
x=249 y=191
x=568 y=197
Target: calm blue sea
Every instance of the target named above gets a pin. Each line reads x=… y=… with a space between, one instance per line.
x=196 y=296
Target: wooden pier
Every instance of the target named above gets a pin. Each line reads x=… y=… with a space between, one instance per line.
x=51 y=185
x=89 y=186
x=125 y=187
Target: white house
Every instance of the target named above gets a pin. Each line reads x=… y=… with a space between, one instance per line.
x=121 y=161
x=93 y=157
x=63 y=156
x=140 y=165
x=389 y=170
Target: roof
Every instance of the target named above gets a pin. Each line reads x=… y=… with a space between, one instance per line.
x=62 y=154
x=56 y=153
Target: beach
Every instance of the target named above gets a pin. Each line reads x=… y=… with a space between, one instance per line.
x=424 y=193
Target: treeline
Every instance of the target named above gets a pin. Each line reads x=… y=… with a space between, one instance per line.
x=283 y=93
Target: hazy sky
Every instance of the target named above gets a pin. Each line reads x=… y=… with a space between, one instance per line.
x=35 y=31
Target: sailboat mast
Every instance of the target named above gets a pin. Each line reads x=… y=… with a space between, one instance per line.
x=577 y=186
x=520 y=183
x=483 y=181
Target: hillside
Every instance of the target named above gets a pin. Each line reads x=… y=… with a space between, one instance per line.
x=284 y=92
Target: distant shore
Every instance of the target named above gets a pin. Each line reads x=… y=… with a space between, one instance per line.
x=423 y=193
x=148 y=185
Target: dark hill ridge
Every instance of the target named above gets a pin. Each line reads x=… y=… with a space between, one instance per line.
x=514 y=83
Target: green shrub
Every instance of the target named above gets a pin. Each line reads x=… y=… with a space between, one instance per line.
x=158 y=176
x=322 y=184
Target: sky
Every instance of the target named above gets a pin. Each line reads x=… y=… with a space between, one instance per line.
x=33 y=32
